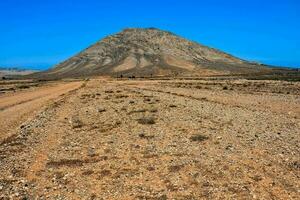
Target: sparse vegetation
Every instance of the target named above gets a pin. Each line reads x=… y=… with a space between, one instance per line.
x=225 y=88
x=144 y=136
x=146 y=120
x=23 y=86
x=109 y=91
x=153 y=110
x=120 y=96
x=75 y=122
x=147 y=99
x=142 y=110
x=198 y=138
x=175 y=168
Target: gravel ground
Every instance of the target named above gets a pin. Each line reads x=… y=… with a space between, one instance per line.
x=159 y=140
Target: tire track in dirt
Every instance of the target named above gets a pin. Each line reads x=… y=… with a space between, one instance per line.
x=18 y=108
x=18 y=103
x=40 y=159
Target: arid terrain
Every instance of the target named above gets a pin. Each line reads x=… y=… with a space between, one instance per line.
x=108 y=138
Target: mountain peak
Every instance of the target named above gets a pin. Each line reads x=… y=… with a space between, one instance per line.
x=147 y=52
x=153 y=29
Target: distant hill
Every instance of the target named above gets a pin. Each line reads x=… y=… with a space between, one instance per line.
x=14 y=71
x=150 y=52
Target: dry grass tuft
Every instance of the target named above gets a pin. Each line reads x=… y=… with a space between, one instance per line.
x=146 y=120
x=198 y=138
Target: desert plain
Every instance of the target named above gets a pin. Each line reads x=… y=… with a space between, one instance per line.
x=108 y=138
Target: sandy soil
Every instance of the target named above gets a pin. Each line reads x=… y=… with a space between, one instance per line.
x=159 y=140
x=18 y=107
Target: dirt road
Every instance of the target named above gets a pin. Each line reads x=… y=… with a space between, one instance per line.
x=16 y=108
x=159 y=140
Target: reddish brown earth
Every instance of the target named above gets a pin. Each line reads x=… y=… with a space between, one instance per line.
x=175 y=139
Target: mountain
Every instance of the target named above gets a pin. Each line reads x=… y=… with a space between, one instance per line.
x=150 y=52
x=9 y=72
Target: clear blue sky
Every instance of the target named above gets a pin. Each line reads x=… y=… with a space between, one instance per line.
x=41 y=33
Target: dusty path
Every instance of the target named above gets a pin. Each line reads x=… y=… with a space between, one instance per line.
x=15 y=108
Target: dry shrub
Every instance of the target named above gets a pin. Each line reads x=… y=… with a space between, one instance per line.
x=146 y=120
x=198 y=138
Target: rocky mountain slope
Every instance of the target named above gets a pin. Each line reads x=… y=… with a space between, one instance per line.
x=150 y=52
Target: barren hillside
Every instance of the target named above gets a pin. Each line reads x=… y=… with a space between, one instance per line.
x=150 y=52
